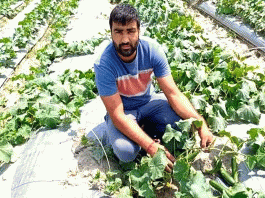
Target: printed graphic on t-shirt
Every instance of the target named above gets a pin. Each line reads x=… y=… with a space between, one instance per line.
x=135 y=85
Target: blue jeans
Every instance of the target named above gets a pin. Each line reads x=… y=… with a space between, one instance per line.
x=153 y=116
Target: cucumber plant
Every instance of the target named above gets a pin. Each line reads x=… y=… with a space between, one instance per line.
x=65 y=95
x=251 y=11
x=6 y=7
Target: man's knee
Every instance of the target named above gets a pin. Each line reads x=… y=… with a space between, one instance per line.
x=126 y=151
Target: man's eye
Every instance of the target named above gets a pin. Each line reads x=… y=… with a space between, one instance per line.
x=132 y=31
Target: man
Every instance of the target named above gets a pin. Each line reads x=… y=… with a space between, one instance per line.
x=124 y=80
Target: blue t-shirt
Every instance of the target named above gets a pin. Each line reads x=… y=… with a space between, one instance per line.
x=132 y=80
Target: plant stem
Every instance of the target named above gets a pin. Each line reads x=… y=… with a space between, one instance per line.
x=102 y=149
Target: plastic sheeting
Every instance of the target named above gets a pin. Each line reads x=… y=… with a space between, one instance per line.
x=234 y=24
x=43 y=168
x=8 y=31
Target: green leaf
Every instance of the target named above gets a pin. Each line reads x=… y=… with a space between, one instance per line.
x=12 y=125
x=220 y=107
x=198 y=75
x=260 y=156
x=78 y=90
x=254 y=133
x=180 y=195
x=224 y=133
x=139 y=176
x=25 y=131
x=147 y=190
x=42 y=82
x=60 y=92
x=113 y=184
x=249 y=113
x=197 y=123
x=124 y=192
x=77 y=102
x=178 y=55
x=261 y=100
x=171 y=133
x=196 y=186
x=48 y=117
x=242 y=95
x=22 y=104
x=232 y=115
x=191 y=85
x=217 y=123
x=249 y=85
x=181 y=170
x=188 y=144
x=199 y=101
x=215 y=78
x=230 y=88
x=6 y=151
x=158 y=164
x=237 y=141
x=214 y=93
x=251 y=161
x=185 y=125
x=199 y=187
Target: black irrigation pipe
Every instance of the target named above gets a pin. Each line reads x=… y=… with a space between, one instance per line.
x=24 y=53
x=243 y=30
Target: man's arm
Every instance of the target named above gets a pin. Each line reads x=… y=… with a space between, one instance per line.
x=182 y=106
x=130 y=128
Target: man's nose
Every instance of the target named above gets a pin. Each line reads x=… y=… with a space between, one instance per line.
x=125 y=38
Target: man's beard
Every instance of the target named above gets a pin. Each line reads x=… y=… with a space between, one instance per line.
x=126 y=52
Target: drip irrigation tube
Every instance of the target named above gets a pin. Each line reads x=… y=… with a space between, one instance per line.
x=14 y=7
x=21 y=54
x=18 y=4
x=234 y=24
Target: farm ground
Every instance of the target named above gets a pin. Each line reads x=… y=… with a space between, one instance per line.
x=88 y=21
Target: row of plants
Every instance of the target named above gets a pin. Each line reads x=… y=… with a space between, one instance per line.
x=45 y=102
x=251 y=11
x=146 y=176
x=6 y=7
x=46 y=13
x=221 y=87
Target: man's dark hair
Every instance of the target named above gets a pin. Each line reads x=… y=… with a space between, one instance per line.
x=124 y=13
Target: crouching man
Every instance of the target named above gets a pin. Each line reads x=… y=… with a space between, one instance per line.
x=124 y=81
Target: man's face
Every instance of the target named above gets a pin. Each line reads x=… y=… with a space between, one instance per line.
x=125 y=39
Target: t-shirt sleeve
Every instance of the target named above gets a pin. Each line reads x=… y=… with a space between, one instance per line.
x=105 y=80
x=159 y=61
